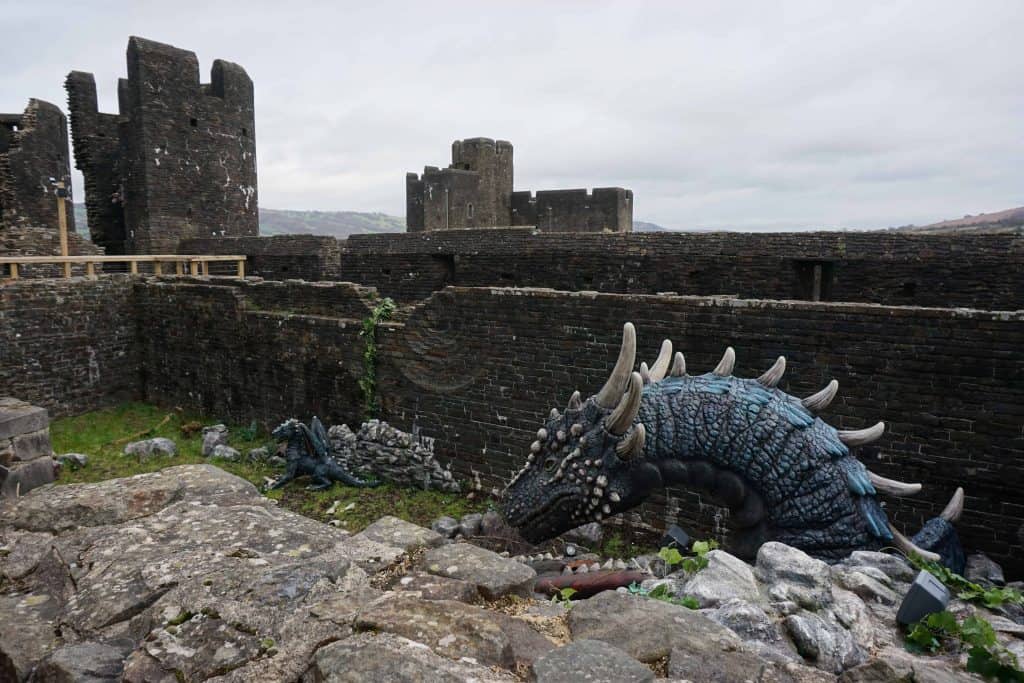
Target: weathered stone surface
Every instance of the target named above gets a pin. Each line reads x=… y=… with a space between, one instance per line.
x=89 y=662
x=151 y=448
x=748 y=621
x=984 y=570
x=455 y=629
x=26 y=632
x=400 y=534
x=794 y=575
x=391 y=658
x=32 y=445
x=825 y=643
x=592 y=661
x=725 y=578
x=19 y=417
x=493 y=575
x=120 y=500
x=446 y=526
x=894 y=566
x=648 y=630
x=260 y=454
x=588 y=535
x=866 y=587
x=430 y=587
x=369 y=555
x=493 y=525
x=213 y=436
x=26 y=476
x=715 y=667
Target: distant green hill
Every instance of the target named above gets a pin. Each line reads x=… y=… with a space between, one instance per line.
x=328 y=223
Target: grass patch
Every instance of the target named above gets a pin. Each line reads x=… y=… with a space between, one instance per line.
x=102 y=435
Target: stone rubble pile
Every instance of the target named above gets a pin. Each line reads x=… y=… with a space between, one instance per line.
x=190 y=574
x=392 y=455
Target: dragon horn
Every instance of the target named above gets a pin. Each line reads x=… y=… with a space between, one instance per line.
x=574 y=401
x=660 y=367
x=645 y=374
x=633 y=444
x=612 y=390
x=820 y=400
x=678 y=365
x=725 y=366
x=772 y=376
x=624 y=414
x=893 y=487
x=955 y=507
x=859 y=437
x=907 y=546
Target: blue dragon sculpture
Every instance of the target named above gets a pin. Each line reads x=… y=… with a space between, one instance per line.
x=308 y=452
x=784 y=473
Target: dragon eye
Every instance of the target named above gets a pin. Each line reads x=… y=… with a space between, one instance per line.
x=550 y=463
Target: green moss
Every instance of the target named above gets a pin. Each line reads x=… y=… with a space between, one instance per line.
x=102 y=435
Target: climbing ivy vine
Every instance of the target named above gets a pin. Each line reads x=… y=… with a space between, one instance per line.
x=368 y=383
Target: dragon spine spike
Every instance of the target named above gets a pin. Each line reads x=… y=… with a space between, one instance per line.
x=645 y=374
x=542 y=434
x=622 y=417
x=892 y=486
x=955 y=507
x=660 y=367
x=554 y=414
x=860 y=437
x=774 y=374
x=575 y=401
x=632 y=445
x=612 y=390
x=907 y=546
x=821 y=400
x=728 y=362
x=678 y=365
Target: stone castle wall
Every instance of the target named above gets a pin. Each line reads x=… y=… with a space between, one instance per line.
x=33 y=154
x=974 y=271
x=184 y=163
x=477 y=369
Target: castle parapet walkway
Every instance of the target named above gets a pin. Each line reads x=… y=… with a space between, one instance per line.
x=184 y=264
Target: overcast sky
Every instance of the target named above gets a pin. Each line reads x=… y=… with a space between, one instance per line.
x=755 y=115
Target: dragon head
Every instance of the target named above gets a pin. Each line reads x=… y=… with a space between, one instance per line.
x=286 y=430
x=587 y=461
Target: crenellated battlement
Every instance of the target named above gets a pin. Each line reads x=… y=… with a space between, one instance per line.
x=179 y=158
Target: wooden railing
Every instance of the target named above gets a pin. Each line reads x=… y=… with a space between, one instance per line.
x=196 y=265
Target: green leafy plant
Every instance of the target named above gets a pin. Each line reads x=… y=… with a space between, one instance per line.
x=564 y=597
x=368 y=382
x=965 y=589
x=985 y=655
x=691 y=565
x=664 y=593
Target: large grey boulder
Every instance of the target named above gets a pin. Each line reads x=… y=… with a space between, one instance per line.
x=893 y=566
x=793 y=575
x=400 y=533
x=725 y=578
x=493 y=575
x=445 y=526
x=747 y=620
x=984 y=570
x=648 y=630
x=592 y=661
x=823 y=642
x=430 y=587
x=152 y=448
x=455 y=629
x=391 y=658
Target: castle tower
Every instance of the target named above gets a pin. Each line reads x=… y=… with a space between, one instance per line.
x=493 y=162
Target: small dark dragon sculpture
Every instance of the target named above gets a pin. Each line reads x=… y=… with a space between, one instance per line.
x=784 y=473
x=308 y=452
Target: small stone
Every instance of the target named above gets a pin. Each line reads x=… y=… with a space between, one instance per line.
x=151 y=448
x=983 y=570
x=588 y=535
x=470 y=524
x=213 y=436
x=73 y=460
x=224 y=452
x=492 y=524
x=260 y=454
x=894 y=566
x=446 y=526
x=276 y=461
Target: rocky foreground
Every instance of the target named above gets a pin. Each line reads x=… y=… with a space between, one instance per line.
x=190 y=574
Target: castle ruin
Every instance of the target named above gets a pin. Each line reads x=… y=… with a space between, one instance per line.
x=33 y=156
x=475 y=191
x=177 y=161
